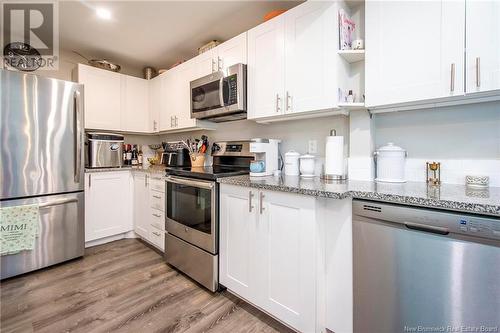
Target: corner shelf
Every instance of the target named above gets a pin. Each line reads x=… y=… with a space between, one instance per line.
x=352 y=106
x=352 y=55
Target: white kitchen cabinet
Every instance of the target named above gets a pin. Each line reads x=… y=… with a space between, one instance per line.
x=268 y=252
x=231 y=52
x=483 y=46
x=292 y=62
x=141 y=205
x=238 y=221
x=310 y=53
x=414 y=51
x=136 y=115
x=156 y=102
x=266 y=69
x=102 y=97
x=167 y=99
x=108 y=204
x=205 y=63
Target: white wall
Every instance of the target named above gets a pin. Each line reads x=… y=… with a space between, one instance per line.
x=465 y=139
x=294 y=134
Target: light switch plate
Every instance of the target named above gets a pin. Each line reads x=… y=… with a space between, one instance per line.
x=313 y=147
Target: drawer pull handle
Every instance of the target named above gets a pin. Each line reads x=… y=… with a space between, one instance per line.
x=156 y=196
x=156 y=215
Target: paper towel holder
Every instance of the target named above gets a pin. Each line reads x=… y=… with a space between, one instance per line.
x=329 y=177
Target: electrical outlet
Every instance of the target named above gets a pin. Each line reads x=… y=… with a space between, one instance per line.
x=313 y=147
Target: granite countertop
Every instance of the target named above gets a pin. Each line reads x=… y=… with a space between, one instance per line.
x=152 y=170
x=446 y=196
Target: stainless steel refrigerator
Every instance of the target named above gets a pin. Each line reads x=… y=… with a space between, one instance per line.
x=41 y=163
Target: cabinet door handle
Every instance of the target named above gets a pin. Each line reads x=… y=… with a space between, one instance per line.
x=156 y=196
x=278 y=99
x=452 y=85
x=250 y=196
x=154 y=125
x=156 y=233
x=261 y=199
x=478 y=72
x=220 y=63
x=213 y=65
x=156 y=215
x=90 y=179
x=288 y=103
x=176 y=121
x=171 y=121
x=146 y=181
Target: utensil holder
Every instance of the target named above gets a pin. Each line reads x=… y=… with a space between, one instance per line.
x=197 y=159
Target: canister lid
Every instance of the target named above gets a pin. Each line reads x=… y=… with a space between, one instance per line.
x=292 y=153
x=390 y=146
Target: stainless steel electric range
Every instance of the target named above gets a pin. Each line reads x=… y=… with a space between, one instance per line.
x=192 y=211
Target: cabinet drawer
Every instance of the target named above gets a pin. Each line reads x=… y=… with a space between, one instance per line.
x=157 y=184
x=157 y=238
x=157 y=200
x=158 y=219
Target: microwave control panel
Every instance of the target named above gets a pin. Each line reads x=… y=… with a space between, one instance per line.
x=232 y=82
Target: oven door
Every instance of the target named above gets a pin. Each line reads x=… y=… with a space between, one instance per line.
x=191 y=211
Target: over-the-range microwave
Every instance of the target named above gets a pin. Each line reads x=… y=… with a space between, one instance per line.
x=220 y=96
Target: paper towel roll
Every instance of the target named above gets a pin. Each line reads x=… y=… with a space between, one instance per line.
x=334 y=156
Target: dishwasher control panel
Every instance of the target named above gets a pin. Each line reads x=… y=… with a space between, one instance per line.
x=479 y=227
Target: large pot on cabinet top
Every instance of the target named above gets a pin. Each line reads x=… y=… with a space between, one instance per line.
x=390 y=163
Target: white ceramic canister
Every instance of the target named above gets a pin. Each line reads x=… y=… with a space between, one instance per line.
x=390 y=160
x=292 y=163
x=307 y=165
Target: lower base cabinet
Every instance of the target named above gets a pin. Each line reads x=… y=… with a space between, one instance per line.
x=149 y=216
x=267 y=252
x=108 y=204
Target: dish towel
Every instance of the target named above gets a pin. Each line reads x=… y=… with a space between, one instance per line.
x=18 y=228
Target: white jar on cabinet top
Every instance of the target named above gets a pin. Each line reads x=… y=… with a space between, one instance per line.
x=390 y=161
x=292 y=163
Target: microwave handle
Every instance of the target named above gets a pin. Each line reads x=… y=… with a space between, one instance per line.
x=221 y=91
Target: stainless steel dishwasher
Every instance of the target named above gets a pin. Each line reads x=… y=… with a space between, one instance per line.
x=424 y=270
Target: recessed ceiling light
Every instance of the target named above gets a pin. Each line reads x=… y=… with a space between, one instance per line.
x=103 y=13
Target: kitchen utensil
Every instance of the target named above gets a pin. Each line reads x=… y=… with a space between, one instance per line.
x=257 y=166
x=101 y=63
x=292 y=163
x=197 y=159
x=334 y=157
x=390 y=161
x=307 y=164
x=149 y=72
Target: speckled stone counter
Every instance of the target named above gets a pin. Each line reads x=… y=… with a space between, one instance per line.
x=152 y=170
x=447 y=196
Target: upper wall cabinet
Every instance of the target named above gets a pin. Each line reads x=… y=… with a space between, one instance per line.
x=114 y=101
x=414 y=51
x=136 y=116
x=292 y=62
x=483 y=46
x=102 y=97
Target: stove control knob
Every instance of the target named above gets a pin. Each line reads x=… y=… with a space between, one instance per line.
x=215 y=147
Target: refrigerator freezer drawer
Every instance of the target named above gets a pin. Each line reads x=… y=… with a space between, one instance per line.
x=60 y=238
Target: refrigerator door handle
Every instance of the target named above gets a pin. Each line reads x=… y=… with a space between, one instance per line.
x=57 y=202
x=78 y=134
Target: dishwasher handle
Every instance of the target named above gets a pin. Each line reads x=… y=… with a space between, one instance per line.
x=427 y=228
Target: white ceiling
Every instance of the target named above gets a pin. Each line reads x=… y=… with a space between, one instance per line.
x=155 y=33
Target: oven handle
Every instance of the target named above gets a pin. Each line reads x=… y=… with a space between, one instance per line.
x=190 y=182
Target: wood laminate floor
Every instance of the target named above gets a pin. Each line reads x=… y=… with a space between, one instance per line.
x=123 y=286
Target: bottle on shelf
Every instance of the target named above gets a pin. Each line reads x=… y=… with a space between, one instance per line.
x=129 y=155
x=134 y=155
x=140 y=156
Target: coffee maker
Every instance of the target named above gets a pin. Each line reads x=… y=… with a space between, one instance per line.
x=175 y=154
x=266 y=157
